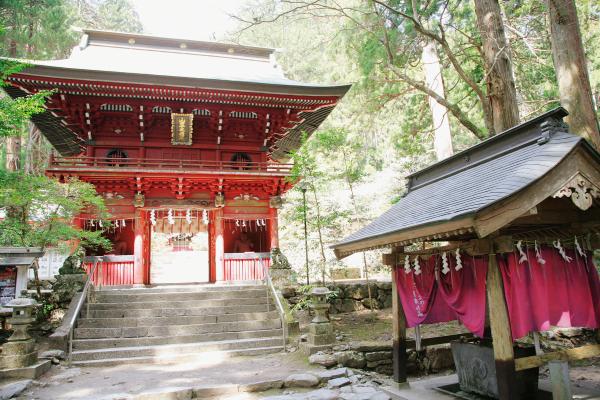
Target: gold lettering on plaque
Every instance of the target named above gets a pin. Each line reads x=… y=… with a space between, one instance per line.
x=181 y=129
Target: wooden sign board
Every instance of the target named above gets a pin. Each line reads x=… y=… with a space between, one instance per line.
x=181 y=129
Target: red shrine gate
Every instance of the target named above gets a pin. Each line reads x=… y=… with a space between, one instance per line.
x=187 y=142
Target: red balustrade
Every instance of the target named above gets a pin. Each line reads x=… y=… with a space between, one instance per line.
x=240 y=268
x=114 y=271
x=166 y=164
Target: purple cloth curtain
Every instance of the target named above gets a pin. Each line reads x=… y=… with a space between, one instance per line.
x=554 y=293
x=432 y=296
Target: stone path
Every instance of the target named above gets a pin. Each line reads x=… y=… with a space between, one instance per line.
x=120 y=382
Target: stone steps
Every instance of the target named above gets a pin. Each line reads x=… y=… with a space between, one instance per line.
x=123 y=322
x=174 y=358
x=108 y=290
x=177 y=312
x=167 y=330
x=179 y=304
x=176 y=349
x=164 y=324
x=104 y=343
x=107 y=297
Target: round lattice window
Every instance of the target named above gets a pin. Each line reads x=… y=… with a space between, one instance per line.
x=113 y=157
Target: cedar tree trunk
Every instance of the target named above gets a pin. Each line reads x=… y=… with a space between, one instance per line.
x=502 y=93
x=571 y=70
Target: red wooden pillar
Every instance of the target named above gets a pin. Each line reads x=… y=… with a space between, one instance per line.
x=219 y=245
x=273 y=228
x=140 y=244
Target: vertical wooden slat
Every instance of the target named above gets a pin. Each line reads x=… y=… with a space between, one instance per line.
x=399 y=334
x=501 y=335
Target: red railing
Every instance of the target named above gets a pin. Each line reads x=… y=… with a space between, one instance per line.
x=113 y=271
x=149 y=164
x=245 y=267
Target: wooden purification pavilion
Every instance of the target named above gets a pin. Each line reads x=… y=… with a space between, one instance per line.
x=529 y=191
x=188 y=142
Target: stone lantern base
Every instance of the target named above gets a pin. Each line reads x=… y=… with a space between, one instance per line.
x=18 y=354
x=31 y=372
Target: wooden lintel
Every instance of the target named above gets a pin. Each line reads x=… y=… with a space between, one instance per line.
x=578 y=353
x=474 y=247
x=410 y=343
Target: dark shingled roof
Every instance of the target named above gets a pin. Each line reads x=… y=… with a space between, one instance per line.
x=476 y=178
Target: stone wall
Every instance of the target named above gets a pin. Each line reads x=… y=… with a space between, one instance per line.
x=350 y=296
x=377 y=356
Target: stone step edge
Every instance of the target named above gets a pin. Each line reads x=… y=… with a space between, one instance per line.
x=173 y=289
x=174 y=345
x=167 y=359
x=264 y=321
x=158 y=303
x=233 y=294
x=203 y=392
x=266 y=325
x=179 y=316
x=91 y=340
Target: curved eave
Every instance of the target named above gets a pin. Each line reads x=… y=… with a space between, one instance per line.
x=291 y=88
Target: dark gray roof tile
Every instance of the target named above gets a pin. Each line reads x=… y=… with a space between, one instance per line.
x=463 y=192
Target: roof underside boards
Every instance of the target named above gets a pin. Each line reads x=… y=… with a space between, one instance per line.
x=63 y=139
x=464 y=192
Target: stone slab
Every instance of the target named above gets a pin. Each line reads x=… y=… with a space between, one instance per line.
x=310 y=349
x=13 y=389
x=31 y=372
x=165 y=393
x=261 y=386
x=332 y=374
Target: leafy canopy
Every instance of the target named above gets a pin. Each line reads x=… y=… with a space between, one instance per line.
x=40 y=211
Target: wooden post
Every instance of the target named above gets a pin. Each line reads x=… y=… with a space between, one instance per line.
x=219 y=245
x=139 y=273
x=399 y=334
x=273 y=228
x=560 y=381
x=501 y=335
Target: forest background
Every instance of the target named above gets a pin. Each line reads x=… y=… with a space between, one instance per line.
x=399 y=55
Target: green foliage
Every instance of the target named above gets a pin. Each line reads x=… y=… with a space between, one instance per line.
x=305 y=301
x=118 y=15
x=40 y=211
x=15 y=114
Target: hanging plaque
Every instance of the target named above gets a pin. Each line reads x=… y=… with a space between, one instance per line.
x=181 y=129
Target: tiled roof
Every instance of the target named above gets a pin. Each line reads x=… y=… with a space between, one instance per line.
x=143 y=59
x=476 y=178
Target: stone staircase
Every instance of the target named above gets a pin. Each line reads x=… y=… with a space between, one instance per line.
x=173 y=323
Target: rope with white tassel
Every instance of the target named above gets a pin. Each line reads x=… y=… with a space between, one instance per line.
x=523 y=257
x=578 y=248
x=561 y=251
x=538 y=253
x=458 y=261
x=417 y=266
x=407 y=265
x=445 y=268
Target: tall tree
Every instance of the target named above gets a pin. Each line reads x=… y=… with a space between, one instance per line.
x=571 y=70
x=502 y=93
x=442 y=141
